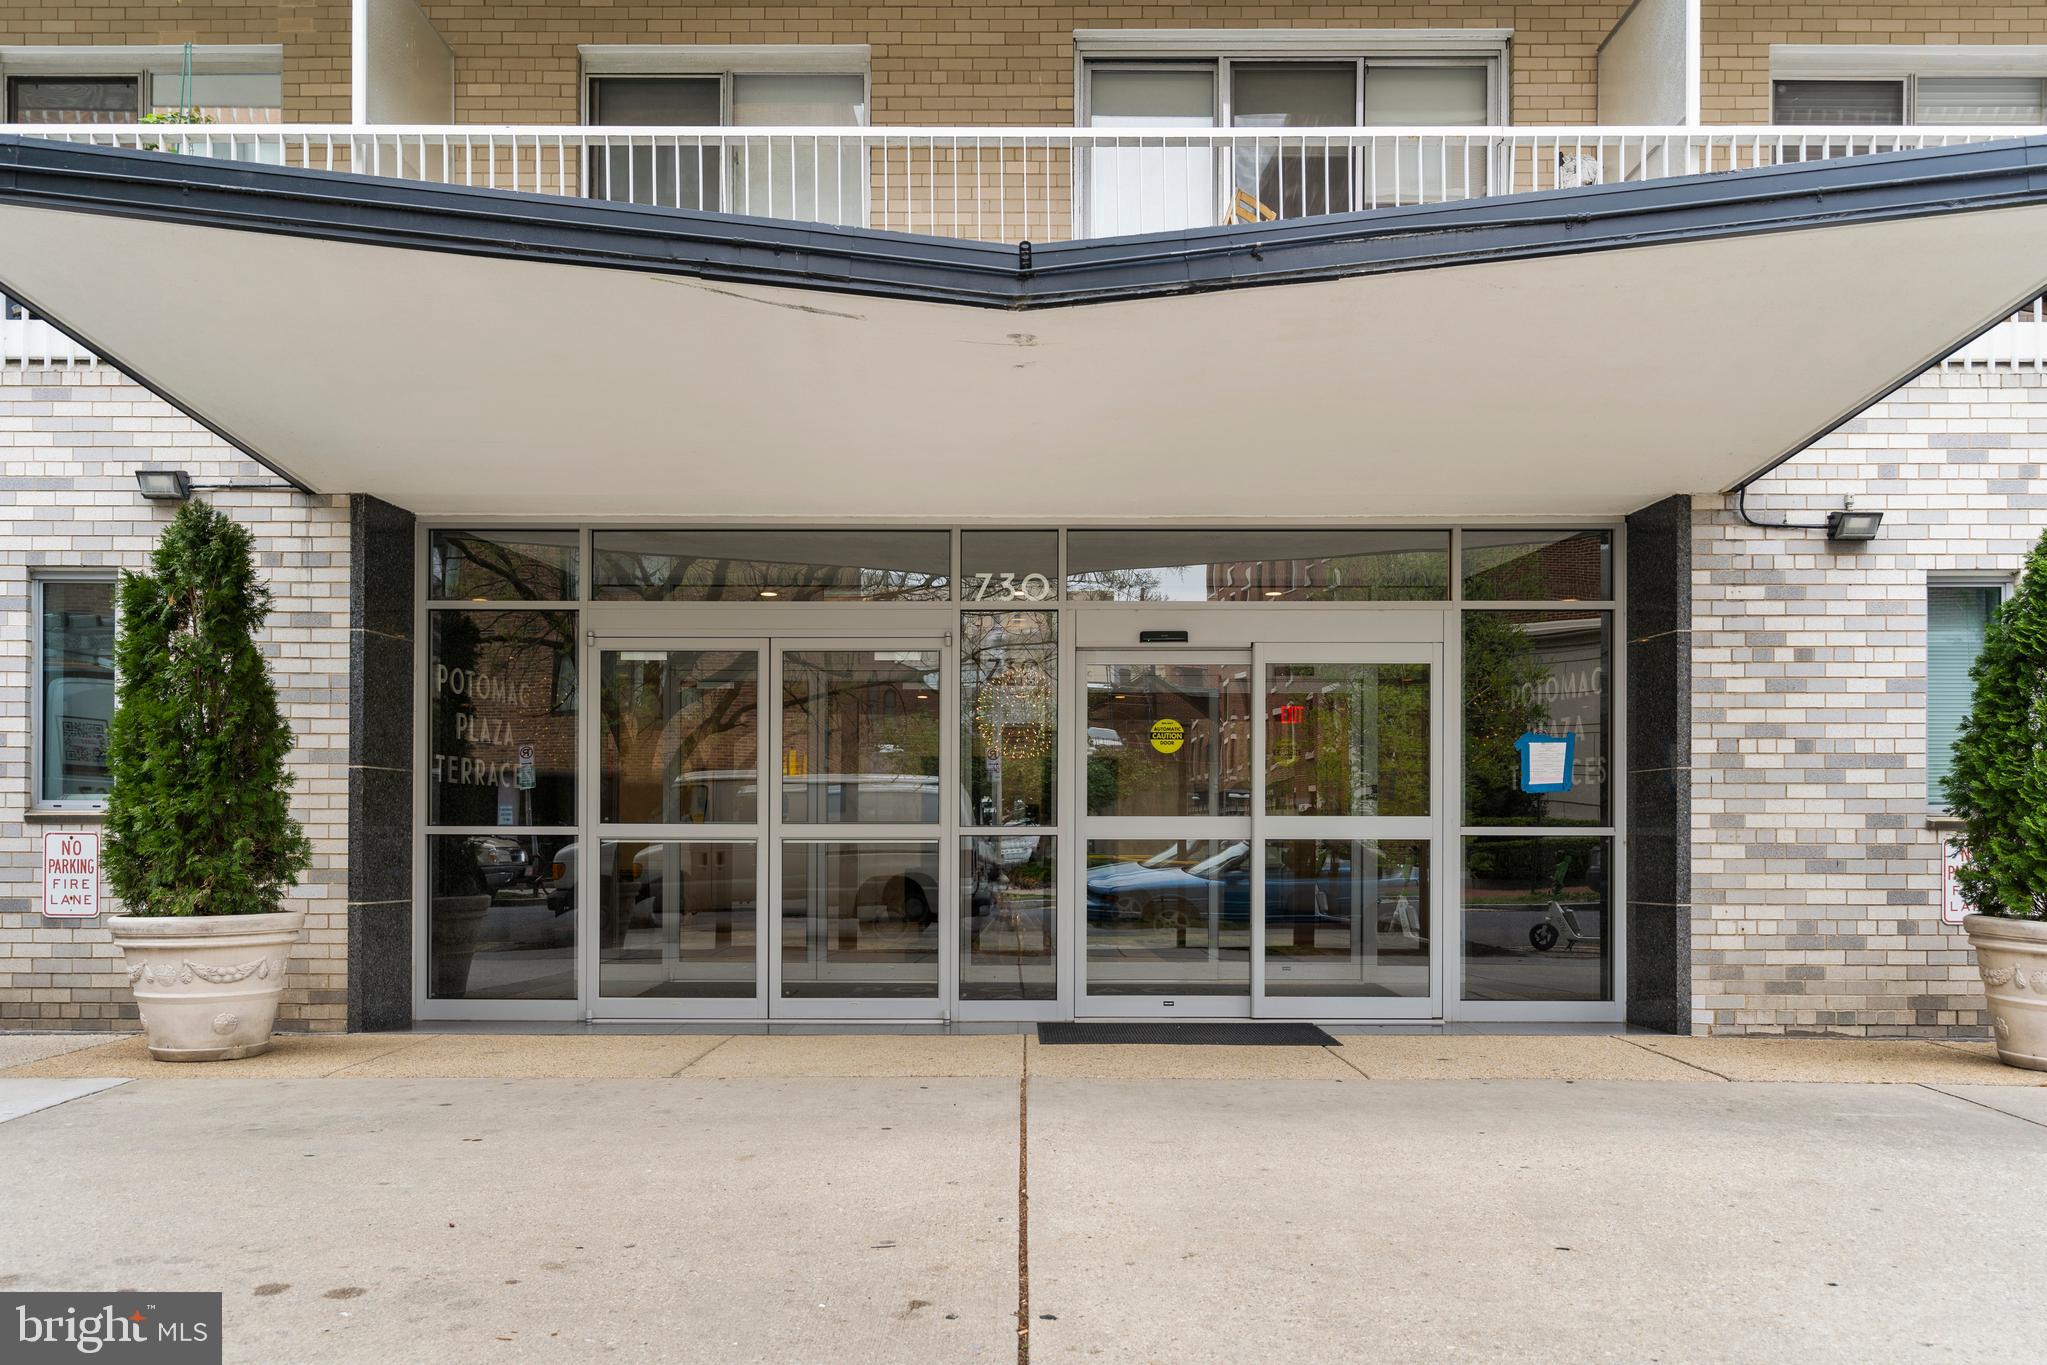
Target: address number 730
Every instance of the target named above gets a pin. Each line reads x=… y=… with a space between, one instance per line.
x=1008 y=587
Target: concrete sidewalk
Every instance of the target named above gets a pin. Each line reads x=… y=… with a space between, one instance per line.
x=429 y=1198
x=1377 y=1057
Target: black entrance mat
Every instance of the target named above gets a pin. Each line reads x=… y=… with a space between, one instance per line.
x=1200 y=1035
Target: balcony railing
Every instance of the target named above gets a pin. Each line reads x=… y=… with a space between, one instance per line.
x=1012 y=184
x=1036 y=184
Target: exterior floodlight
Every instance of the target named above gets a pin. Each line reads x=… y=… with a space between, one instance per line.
x=164 y=485
x=1852 y=525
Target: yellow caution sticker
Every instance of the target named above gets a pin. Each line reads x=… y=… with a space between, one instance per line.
x=1167 y=736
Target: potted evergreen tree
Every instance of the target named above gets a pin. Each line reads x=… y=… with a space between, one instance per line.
x=1998 y=788
x=201 y=845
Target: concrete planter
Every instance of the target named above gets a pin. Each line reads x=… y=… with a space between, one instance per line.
x=207 y=985
x=2012 y=955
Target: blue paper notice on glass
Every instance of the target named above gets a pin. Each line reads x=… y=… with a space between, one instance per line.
x=1546 y=761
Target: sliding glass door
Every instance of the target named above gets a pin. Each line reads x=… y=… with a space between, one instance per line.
x=1344 y=861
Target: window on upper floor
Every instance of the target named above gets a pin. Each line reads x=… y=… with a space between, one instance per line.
x=1881 y=85
x=1149 y=186
x=74 y=99
x=1956 y=615
x=817 y=178
x=216 y=83
x=73 y=703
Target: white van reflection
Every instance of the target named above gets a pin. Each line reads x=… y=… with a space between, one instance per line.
x=730 y=797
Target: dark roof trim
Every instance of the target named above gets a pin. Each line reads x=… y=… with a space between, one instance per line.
x=332 y=206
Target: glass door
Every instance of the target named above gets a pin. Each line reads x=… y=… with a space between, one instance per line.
x=671 y=883
x=1347 y=749
x=1166 y=833
x=863 y=740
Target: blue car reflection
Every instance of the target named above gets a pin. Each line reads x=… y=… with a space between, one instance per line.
x=1171 y=888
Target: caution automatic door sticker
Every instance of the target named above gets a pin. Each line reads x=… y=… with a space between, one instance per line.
x=1167 y=736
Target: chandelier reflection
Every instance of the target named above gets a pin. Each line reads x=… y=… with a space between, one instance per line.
x=1015 y=711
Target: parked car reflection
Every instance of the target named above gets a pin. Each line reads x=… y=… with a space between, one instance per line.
x=1169 y=887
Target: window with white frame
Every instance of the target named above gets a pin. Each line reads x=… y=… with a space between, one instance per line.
x=1957 y=613
x=1872 y=85
x=809 y=176
x=73 y=702
x=230 y=84
x=1260 y=81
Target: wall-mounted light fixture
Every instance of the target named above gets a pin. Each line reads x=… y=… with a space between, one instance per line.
x=1849 y=524
x=164 y=485
x=175 y=485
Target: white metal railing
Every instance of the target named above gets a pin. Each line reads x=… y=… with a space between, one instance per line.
x=1037 y=184
x=2018 y=344
x=1011 y=184
x=29 y=341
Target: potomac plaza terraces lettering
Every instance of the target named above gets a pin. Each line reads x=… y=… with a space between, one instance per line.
x=478 y=687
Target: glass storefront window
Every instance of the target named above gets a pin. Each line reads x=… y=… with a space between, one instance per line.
x=786 y=566
x=503 y=566
x=680 y=737
x=1009 y=566
x=1009 y=711
x=860 y=737
x=501 y=700
x=1347 y=739
x=1168 y=917
x=859 y=920
x=1168 y=739
x=677 y=920
x=1258 y=566
x=1538 y=566
x=501 y=917
x=75 y=664
x=1346 y=917
x=1538 y=918
x=1541 y=674
x=1009 y=914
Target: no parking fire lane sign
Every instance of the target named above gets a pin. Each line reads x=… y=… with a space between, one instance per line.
x=71 y=875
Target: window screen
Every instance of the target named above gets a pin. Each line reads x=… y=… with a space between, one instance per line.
x=74 y=99
x=1955 y=617
x=654 y=101
x=1980 y=99
x=1838 y=102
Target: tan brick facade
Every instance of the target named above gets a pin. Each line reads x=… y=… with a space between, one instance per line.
x=70 y=442
x=1735 y=40
x=968 y=64
x=314 y=34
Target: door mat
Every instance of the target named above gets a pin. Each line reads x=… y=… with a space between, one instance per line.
x=1190 y=1035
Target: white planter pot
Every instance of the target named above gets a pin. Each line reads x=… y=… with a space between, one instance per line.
x=2012 y=955
x=207 y=985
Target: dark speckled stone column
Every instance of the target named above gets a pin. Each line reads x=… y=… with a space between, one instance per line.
x=1659 y=662
x=380 y=766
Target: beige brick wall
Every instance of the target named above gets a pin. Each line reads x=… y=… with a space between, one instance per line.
x=1816 y=870
x=1736 y=38
x=314 y=34
x=968 y=63
x=70 y=442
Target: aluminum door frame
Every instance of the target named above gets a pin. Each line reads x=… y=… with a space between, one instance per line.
x=1090 y=827
x=679 y=1009
x=940 y=1006
x=1429 y=828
